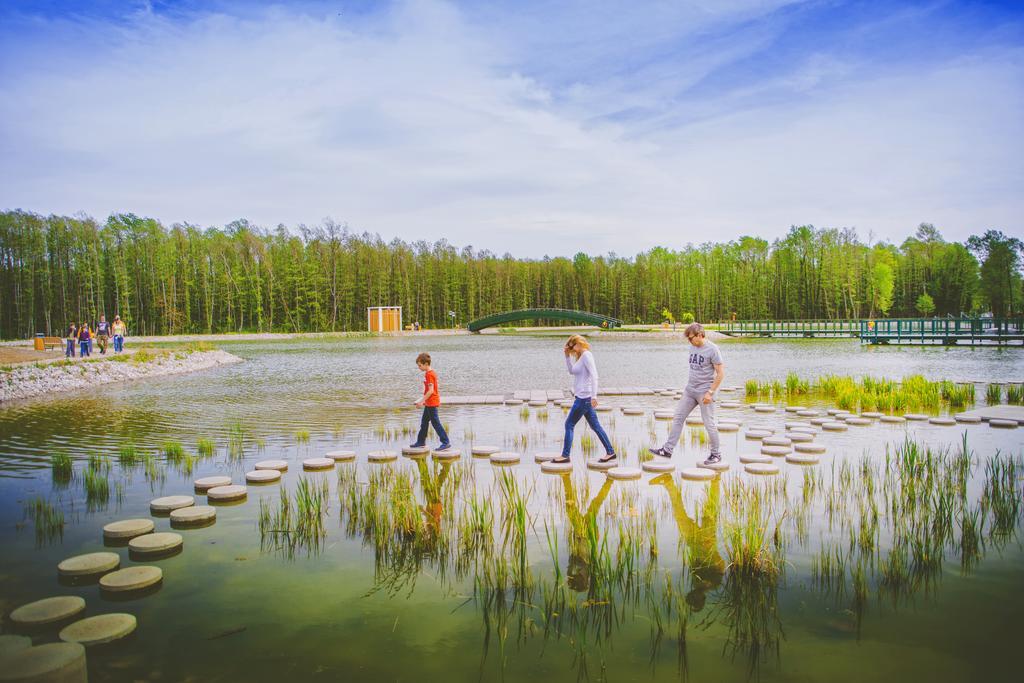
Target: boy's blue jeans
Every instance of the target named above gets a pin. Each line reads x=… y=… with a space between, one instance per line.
x=581 y=408
x=69 y=352
x=431 y=418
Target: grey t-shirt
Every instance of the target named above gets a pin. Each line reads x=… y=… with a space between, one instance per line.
x=702 y=370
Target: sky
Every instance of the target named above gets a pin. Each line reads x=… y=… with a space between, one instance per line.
x=534 y=128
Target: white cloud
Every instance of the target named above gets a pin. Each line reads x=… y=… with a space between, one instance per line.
x=424 y=123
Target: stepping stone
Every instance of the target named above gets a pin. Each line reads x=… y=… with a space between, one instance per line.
x=729 y=404
x=800 y=437
x=595 y=464
x=546 y=456
x=195 y=515
x=858 y=421
x=279 y=465
x=127 y=528
x=168 y=503
x=89 y=564
x=664 y=414
x=418 y=450
x=762 y=427
x=967 y=419
x=834 y=426
x=693 y=420
x=484 y=451
x=47 y=611
x=747 y=458
x=447 y=454
x=720 y=466
x=603 y=408
x=808 y=413
x=821 y=420
x=942 y=421
x=154 y=544
x=795 y=409
x=756 y=434
x=761 y=468
x=794 y=425
x=624 y=473
x=809 y=447
x=206 y=483
x=11 y=644
x=728 y=427
x=776 y=451
x=262 y=476
x=632 y=411
x=381 y=456
x=318 y=463
x=835 y=411
x=872 y=414
x=658 y=465
x=844 y=416
x=811 y=431
x=764 y=409
x=504 y=458
x=340 y=456
x=697 y=474
x=1002 y=424
x=802 y=459
x=225 y=493
x=103 y=628
x=131 y=579
x=555 y=467
x=537 y=403
x=917 y=417
x=892 y=419
x=52 y=663
x=519 y=402
x=777 y=441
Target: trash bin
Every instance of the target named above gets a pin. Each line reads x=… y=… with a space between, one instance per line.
x=39 y=342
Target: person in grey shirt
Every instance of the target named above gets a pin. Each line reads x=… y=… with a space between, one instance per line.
x=706 y=374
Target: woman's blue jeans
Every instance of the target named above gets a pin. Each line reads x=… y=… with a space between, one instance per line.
x=84 y=348
x=581 y=408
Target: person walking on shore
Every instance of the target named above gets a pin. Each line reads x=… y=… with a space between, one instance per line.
x=84 y=339
x=119 y=329
x=579 y=361
x=430 y=402
x=71 y=338
x=706 y=374
x=102 y=334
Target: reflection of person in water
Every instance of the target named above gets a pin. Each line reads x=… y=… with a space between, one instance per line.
x=432 y=483
x=578 y=571
x=706 y=564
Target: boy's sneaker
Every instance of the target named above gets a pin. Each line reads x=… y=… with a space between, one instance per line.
x=713 y=459
x=443 y=447
x=417 y=445
x=660 y=451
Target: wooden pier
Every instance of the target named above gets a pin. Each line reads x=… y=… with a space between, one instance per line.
x=945 y=331
x=791 y=328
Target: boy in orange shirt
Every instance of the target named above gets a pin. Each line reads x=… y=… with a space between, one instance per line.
x=430 y=401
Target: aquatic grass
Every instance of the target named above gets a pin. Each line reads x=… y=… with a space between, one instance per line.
x=173 y=450
x=993 y=394
x=1015 y=394
x=47 y=520
x=128 y=455
x=153 y=471
x=236 y=440
x=302 y=436
x=97 y=488
x=61 y=469
x=205 y=447
x=524 y=413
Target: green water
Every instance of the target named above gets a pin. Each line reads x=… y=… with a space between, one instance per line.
x=233 y=606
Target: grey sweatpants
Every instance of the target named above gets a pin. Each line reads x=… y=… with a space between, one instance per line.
x=687 y=403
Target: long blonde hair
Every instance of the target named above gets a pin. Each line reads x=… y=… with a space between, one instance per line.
x=579 y=344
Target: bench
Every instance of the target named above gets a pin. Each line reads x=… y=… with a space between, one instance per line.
x=52 y=342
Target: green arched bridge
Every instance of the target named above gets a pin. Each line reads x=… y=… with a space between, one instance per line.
x=546 y=314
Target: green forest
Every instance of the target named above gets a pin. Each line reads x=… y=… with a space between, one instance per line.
x=243 y=278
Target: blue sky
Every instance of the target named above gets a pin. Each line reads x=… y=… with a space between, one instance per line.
x=530 y=127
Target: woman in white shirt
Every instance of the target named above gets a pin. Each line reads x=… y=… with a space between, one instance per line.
x=580 y=363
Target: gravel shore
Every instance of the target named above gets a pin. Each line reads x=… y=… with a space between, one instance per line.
x=27 y=381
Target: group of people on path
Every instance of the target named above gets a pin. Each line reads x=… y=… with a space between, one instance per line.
x=707 y=371
x=83 y=335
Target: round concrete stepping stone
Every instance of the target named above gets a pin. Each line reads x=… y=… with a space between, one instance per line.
x=858 y=421
x=632 y=411
x=809 y=447
x=52 y=663
x=967 y=419
x=693 y=420
x=226 y=493
x=802 y=459
x=811 y=431
x=808 y=413
x=777 y=441
x=340 y=456
x=262 y=476
x=418 y=450
x=624 y=473
x=168 y=503
x=892 y=419
x=761 y=468
x=719 y=466
x=1003 y=424
x=505 y=458
x=103 y=628
x=747 y=458
x=197 y=514
x=942 y=421
x=279 y=465
x=89 y=564
x=874 y=415
x=131 y=578
x=756 y=434
x=834 y=427
x=728 y=427
x=835 y=411
x=127 y=528
x=47 y=610
x=917 y=417
x=697 y=474
x=764 y=409
x=776 y=451
x=659 y=465
x=603 y=408
x=595 y=464
x=795 y=409
x=797 y=423
x=729 y=404
x=664 y=415
x=519 y=402
x=537 y=403
x=821 y=420
x=447 y=454
x=555 y=467
x=11 y=644
x=546 y=456
x=762 y=427
x=152 y=544
x=207 y=483
x=800 y=437
x=485 y=451
x=318 y=463
x=844 y=415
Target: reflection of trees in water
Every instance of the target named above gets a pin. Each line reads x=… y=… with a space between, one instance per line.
x=882 y=527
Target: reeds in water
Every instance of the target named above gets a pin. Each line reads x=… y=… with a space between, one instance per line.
x=1015 y=394
x=993 y=394
x=128 y=455
x=61 y=469
x=205 y=447
x=47 y=520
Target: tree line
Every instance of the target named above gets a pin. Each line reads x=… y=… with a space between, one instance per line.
x=188 y=279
